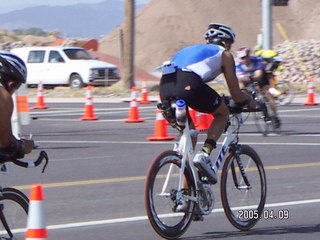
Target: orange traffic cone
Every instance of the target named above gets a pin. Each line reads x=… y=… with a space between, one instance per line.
x=89 y=109
x=144 y=93
x=134 y=111
x=23 y=105
x=40 y=98
x=36 y=225
x=193 y=115
x=310 y=100
x=160 y=131
x=205 y=120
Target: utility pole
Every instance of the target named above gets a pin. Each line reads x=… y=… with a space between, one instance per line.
x=267 y=6
x=266 y=24
x=128 y=44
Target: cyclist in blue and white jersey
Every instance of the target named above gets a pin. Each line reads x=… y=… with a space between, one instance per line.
x=249 y=67
x=186 y=75
x=253 y=68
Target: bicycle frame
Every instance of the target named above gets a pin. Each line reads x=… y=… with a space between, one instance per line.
x=185 y=150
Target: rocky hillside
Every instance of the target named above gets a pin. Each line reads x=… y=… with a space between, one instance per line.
x=301 y=60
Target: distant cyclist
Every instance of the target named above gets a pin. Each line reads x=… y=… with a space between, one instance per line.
x=253 y=68
x=13 y=73
x=186 y=76
x=272 y=66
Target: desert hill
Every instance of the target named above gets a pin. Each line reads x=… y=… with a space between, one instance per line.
x=164 y=26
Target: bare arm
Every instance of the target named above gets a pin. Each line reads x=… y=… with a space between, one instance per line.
x=7 y=140
x=6 y=108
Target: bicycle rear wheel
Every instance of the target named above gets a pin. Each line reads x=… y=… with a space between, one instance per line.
x=13 y=213
x=168 y=213
x=243 y=188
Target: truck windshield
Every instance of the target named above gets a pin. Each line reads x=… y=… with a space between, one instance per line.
x=78 y=54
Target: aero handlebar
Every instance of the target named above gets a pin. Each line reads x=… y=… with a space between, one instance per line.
x=30 y=164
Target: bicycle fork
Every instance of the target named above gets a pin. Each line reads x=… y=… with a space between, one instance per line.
x=236 y=150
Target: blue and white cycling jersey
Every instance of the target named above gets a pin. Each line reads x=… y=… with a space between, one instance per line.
x=202 y=59
x=255 y=64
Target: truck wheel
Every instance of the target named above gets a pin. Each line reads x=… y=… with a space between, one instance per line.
x=75 y=81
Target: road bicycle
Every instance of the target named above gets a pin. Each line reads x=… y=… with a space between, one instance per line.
x=177 y=193
x=14 y=204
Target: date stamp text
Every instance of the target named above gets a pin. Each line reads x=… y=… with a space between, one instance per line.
x=281 y=214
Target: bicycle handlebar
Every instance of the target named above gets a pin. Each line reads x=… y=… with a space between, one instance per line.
x=234 y=108
x=30 y=164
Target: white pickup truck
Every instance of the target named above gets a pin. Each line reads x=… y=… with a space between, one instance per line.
x=71 y=66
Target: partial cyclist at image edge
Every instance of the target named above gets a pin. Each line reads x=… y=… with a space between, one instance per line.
x=14 y=204
x=13 y=73
x=186 y=75
x=252 y=68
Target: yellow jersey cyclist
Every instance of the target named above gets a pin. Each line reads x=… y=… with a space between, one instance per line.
x=273 y=66
x=13 y=73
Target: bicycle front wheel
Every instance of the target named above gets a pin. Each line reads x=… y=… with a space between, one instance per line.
x=243 y=188
x=169 y=209
x=13 y=213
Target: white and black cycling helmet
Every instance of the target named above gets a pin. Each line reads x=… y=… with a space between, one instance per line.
x=243 y=52
x=12 y=68
x=219 y=33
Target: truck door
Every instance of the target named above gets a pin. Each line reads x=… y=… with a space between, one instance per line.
x=56 y=69
x=35 y=66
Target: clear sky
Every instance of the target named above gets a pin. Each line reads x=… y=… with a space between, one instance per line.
x=11 y=5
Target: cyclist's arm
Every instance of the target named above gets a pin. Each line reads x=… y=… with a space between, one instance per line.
x=6 y=109
x=228 y=69
x=8 y=143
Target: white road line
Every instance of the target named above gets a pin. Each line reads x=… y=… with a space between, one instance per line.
x=162 y=142
x=88 y=122
x=80 y=110
x=142 y=218
x=300 y=110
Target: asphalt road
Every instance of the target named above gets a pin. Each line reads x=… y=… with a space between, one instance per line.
x=94 y=183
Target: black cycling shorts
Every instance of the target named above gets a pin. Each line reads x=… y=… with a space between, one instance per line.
x=265 y=79
x=189 y=86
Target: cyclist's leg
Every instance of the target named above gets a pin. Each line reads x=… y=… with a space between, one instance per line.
x=207 y=100
x=202 y=160
x=265 y=86
x=271 y=101
x=221 y=115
